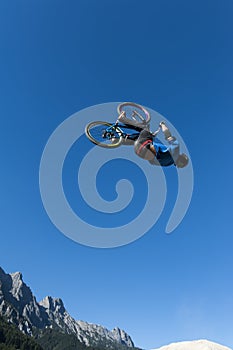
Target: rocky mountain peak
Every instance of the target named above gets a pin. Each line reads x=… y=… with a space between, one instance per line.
x=122 y=337
x=17 y=276
x=53 y=304
x=19 y=290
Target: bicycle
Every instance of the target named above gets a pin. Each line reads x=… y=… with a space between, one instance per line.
x=124 y=131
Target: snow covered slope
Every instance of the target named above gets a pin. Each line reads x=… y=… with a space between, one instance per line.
x=194 y=345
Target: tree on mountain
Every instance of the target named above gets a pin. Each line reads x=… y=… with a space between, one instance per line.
x=11 y=338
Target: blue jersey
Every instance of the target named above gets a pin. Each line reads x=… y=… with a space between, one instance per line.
x=166 y=155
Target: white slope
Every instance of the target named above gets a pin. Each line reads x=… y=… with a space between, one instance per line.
x=194 y=345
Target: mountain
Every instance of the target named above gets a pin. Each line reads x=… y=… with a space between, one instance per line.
x=194 y=345
x=19 y=306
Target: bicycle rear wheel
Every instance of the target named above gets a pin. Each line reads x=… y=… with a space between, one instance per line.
x=135 y=115
x=104 y=134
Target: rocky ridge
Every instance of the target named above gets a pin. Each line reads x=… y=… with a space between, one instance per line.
x=20 y=307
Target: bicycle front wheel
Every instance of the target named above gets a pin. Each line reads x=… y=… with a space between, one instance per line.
x=104 y=134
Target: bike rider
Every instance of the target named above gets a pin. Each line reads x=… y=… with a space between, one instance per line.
x=155 y=151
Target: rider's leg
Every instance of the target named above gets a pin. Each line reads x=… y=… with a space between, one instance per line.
x=174 y=148
x=145 y=151
x=167 y=134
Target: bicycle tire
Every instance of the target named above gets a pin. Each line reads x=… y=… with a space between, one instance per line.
x=143 y=109
x=96 y=136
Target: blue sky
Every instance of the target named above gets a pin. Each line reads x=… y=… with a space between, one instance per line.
x=174 y=57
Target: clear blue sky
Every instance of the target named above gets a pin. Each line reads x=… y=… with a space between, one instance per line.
x=174 y=56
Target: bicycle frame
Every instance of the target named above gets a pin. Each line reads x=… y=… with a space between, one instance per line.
x=127 y=131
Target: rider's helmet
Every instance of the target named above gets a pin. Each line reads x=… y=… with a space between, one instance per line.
x=182 y=161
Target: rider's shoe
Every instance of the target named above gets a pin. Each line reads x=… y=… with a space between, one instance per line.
x=168 y=136
x=163 y=126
